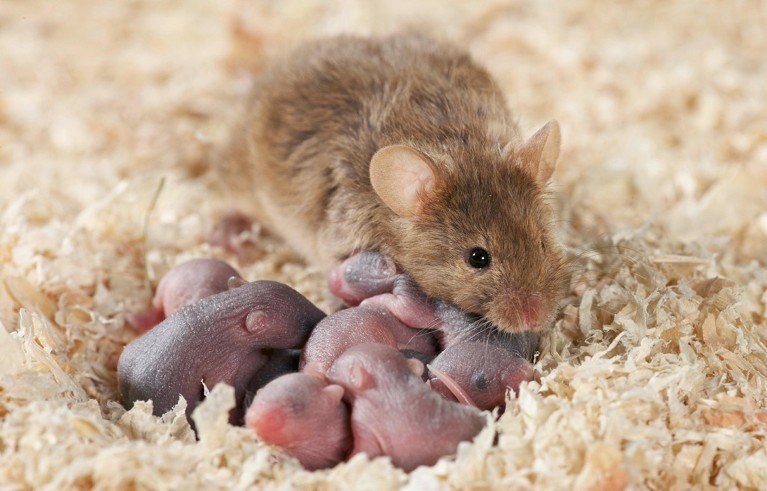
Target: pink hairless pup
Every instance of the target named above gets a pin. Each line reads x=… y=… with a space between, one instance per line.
x=231 y=337
x=477 y=365
x=363 y=324
x=391 y=412
x=360 y=365
x=304 y=415
x=390 y=318
x=394 y=413
x=185 y=284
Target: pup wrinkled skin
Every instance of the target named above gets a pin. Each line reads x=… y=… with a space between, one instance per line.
x=223 y=338
x=394 y=413
x=478 y=374
x=185 y=284
x=476 y=364
x=305 y=416
x=363 y=324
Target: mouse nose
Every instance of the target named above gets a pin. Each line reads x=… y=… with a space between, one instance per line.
x=267 y=421
x=533 y=313
x=527 y=310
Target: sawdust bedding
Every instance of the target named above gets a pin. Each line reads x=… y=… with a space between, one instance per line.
x=654 y=377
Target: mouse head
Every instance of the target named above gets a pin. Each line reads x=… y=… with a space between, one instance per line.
x=477 y=231
x=286 y=411
x=370 y=366
x=478 y=373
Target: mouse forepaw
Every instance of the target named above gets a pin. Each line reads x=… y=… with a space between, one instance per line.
x=142 y=322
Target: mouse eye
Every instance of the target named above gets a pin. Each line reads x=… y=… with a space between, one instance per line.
x=478 y=258
x=543 y=246
x=479 y=380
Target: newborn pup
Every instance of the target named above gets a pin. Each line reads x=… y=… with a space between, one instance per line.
x=371 y=279
x=217 y=339
x=357 y=325
x=479 y=363
x=405 y=145
x=478 y=374
x=186 y=283
x=305 y=416
x=394 y=413
x=362 y=276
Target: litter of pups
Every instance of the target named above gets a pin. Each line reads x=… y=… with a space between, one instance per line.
x=397 y=374
x=653 y=374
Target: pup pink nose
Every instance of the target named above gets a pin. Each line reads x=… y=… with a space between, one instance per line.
x=519 y=371
x=267 y=422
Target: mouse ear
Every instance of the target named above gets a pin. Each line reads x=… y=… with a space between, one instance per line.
x=335 y=392
x=402 y=177
x=415 y=366
x=360 y=378
x=538 y=156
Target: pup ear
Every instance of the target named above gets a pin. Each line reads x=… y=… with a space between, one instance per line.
x=335 y=392
x=415 y=366
x=402 y=177
x=538 y=156
x=360 y=378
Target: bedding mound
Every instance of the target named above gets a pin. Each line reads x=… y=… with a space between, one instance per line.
x=113 y=113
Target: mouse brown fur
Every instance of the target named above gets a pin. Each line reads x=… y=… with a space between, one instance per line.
x=449 y=173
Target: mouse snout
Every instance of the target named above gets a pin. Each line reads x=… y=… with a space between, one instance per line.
x=268 y=421
x=520 y=311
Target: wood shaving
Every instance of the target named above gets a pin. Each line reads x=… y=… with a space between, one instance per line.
x=654 y=376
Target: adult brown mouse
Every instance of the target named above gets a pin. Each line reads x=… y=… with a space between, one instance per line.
x=405 y=145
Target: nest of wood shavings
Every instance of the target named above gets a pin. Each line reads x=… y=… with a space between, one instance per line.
x=112 y=114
